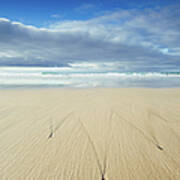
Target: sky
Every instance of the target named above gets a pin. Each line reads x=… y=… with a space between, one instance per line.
x=132 y=35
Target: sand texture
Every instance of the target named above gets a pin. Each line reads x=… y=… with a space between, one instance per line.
x=66 y=134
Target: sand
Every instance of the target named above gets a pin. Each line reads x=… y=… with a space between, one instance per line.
x=70 y=134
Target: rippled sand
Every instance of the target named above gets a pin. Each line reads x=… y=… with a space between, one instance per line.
x=63 y=134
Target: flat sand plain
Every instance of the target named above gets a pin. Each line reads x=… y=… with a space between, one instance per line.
x=71 y=134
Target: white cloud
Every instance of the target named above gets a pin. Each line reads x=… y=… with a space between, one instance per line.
x=9 y=54
x=85 y=7
x=4 y=19
x=55 y=16
x=137 y=39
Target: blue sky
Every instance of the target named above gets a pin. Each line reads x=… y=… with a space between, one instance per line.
x=138 y=35
x=41 y=12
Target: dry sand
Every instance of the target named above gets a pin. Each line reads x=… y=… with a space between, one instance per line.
x=81 y=134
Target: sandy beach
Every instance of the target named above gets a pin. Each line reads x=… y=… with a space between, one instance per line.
x=72 y=134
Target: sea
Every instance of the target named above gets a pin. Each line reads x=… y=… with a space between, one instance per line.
x=40 y=77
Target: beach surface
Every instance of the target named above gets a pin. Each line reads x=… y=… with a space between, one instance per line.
x=73 y=134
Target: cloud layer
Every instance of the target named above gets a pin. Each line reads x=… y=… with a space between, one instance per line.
x=136 y=40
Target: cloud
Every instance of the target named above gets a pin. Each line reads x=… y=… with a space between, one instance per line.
x=84 y=7
x=56 y=16
x=139 y=40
